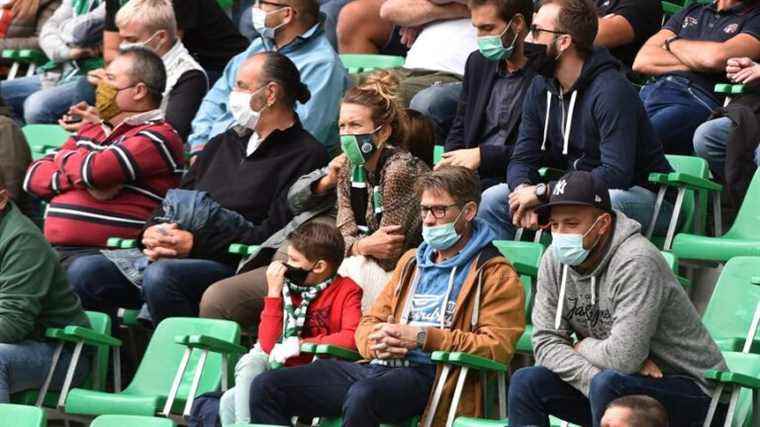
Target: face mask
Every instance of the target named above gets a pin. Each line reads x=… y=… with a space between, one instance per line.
x=359 y=148
x=127 y=45
x=568 y=248
x=545 y=62
x=296 y=275
x=259 y=18
x=492 y=47
x=240 y=107
x=105 y=100
x=441 y=237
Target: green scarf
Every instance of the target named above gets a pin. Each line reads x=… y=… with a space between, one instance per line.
x=294 y=318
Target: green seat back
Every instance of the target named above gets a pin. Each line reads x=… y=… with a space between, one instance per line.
x=131 y=421
x=747 y=222
x=729 y=313
x=747 y=364
x=698 y=167
x=157 y=369
x=671 y=260
x=437 y=153
x=359 y=63
x=22 y=416
x=526 y=258
x=42 y=138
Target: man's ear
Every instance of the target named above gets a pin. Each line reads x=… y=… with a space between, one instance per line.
x=471 y=211
x=141 y=92
x=320 y=267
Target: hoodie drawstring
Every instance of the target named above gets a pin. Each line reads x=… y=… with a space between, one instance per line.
x=561 y=303
x=569 y=122
x=593 y=290
x=546 y=121
x=446 y=298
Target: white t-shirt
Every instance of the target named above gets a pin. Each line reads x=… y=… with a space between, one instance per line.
x=443 y=46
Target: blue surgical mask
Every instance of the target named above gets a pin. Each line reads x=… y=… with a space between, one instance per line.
x=492 y=47
x=568 y=247
x=441 y=237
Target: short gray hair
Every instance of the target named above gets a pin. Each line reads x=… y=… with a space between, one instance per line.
x=148 y=68
x=155 y=15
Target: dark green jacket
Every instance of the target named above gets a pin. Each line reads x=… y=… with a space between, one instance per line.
x=34 y=293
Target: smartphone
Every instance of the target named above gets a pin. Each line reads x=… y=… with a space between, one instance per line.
x=71 y=119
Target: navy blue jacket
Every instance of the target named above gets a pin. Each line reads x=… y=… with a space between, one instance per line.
x=609 y=131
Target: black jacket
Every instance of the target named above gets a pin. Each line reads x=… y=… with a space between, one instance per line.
x=479 y=78
x=255 y=186
x=740 y=167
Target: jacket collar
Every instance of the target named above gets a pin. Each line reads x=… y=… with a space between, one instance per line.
x=310 y=34
x=139 y=119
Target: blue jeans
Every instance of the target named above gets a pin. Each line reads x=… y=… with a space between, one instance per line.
x=711 y=142
x=439 y=102
x=32 y=104
x=676 y=108
x=364 y=394
x=536 y=392
x=171 y=287
x=636 y=203
x=25 y=365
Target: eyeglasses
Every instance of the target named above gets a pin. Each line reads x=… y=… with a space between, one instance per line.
x=535 y=31
x=437 y=211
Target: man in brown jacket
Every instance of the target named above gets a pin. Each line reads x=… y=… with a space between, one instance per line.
x=455 y=293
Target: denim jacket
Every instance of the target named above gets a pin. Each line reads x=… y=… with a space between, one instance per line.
x=321 y=70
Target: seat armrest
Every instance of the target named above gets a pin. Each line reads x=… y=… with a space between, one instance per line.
x=692 y=182
x=81 y=334
x=338 y=352
x=459 y=358
x=205 y=342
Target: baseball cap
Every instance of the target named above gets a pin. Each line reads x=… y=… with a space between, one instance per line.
x=578 y=188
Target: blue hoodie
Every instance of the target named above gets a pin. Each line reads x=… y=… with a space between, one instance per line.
x=433 y=280
x=599 y=125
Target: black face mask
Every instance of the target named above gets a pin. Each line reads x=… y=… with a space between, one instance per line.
x=544 y=62
x=296 y=275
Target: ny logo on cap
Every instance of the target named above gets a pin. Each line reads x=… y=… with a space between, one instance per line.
x=597 y=199
x=560 y=187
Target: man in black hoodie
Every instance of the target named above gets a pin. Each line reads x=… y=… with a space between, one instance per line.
x=582 y=114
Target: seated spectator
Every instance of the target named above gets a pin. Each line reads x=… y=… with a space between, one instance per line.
x=21 y=22
x=70 y=38
x=495 y=81
x=420 y=136
x=203 y=28
x=324 y=309
x=712 y=138
x=688 y=57
x=625 y=25
x=239 y=183
x=376 y=207
x=34 y=296
x=636 y=330
x=635 y=411
x=151 y=24
x=581 y=114
x=426 y=306
x=292 y=28
x=15 y=158
x=108 y=178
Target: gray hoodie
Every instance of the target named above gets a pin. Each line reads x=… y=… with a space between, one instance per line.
x=630 y=308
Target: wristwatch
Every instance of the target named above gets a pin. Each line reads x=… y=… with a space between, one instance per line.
x=669 y=41
x=541 y=192
x=421 y=338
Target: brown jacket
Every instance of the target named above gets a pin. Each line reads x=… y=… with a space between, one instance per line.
x=492 y=298
x=15 y=158
x=24 y=33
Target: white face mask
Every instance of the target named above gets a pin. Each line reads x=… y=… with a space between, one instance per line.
x=240 y=107
x=259 y=18
x=127 y=45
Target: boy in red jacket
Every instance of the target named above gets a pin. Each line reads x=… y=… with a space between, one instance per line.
x=306 y=302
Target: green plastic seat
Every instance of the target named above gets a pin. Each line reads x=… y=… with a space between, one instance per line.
x=729 y=313
x=32 y=58
x=482 y=422
x=193 y=346
x=359 y=63
x=44 y=139
x=22 y=415
x=438 y=151
x=100 y=324
x=744 y=370
x=243 y=250
x=729 y=91
x=743 y=239
x=131 y=421
x=526 y=258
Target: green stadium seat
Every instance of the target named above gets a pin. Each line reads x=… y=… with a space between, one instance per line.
x=743 y=239
x=243 y=250
x=32 y=58
x=482 y=422
x=44 y=139
x=729 y=91
x=438 y=151
x=22 y=416
x=202 y=349
x=130 y=421
x=729 y=313
x=691 y=177
x=359 y=63
x=98 y=336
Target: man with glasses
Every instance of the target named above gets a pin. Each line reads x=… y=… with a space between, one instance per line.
x=292 y=28
x=454 y=293
x=582 y=114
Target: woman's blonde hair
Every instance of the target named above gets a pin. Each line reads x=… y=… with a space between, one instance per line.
x=379 y=93
x=155 y=15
